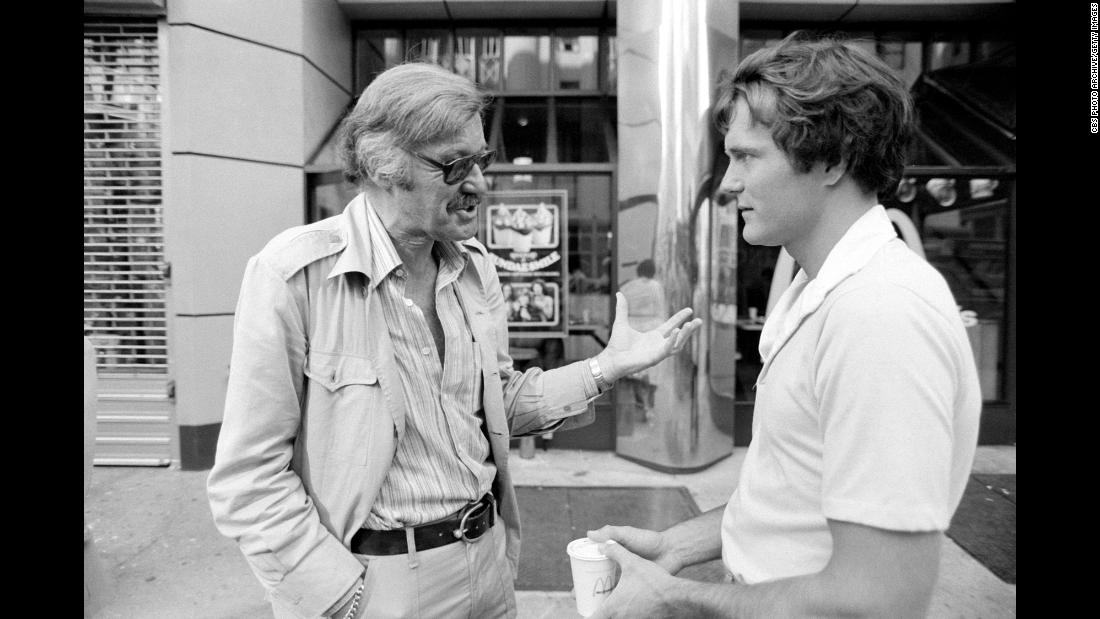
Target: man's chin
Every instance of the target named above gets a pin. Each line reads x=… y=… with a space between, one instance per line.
x=754 y=237
x=459 y=232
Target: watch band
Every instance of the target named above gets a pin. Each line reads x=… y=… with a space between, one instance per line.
x=597 y=374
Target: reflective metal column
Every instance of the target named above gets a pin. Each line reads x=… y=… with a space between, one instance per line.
x=676 y=248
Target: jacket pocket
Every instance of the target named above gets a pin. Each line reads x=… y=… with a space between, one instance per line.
x=334 y=370
x=345 y=408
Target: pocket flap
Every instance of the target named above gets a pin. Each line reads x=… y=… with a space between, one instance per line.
x=334 y=371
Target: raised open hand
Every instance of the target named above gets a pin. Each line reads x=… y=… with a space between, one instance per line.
x=629 y=350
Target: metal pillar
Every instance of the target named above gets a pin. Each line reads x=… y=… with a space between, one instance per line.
x=677 y=416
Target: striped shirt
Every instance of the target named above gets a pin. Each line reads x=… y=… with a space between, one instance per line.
x=442 y=462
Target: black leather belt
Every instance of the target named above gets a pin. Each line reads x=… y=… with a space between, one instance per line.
x=467 y=524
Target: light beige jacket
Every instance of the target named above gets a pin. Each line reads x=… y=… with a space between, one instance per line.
x=314 y=409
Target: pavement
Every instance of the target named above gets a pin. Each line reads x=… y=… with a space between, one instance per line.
x=155 y=536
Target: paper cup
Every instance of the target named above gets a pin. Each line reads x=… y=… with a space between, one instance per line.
x=594 y=574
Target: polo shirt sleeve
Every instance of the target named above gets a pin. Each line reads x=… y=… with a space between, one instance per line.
x=886 y=375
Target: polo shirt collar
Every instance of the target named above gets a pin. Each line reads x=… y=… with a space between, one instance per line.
x=804 y=296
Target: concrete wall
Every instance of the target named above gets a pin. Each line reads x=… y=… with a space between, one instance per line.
x=252 y=88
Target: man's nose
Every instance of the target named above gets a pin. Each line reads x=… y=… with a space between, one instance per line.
x=475 y=181
x=729 y=190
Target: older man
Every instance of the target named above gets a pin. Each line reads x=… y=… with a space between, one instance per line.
x=867 y=405
x=362 y=463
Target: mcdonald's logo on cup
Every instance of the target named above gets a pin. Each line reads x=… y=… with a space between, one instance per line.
x=595 y=575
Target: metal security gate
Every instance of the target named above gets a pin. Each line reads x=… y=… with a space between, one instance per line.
x=125 y=275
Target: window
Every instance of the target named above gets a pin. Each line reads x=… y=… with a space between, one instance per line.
x=553 y=88
x=909 y=52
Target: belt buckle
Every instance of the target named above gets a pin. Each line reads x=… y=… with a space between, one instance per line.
x=460 y=532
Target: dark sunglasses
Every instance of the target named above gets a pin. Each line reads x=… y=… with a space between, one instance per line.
x=458 y=169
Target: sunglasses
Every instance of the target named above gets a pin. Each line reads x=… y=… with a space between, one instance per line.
x=458 y=169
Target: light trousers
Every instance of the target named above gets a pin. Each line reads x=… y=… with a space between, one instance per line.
x=459 y=580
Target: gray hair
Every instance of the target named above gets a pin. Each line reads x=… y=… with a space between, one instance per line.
x=405 y=108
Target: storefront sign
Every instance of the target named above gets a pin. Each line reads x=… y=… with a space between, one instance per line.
x=524 y=233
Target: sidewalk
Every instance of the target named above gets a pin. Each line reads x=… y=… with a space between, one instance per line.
x=154 y=532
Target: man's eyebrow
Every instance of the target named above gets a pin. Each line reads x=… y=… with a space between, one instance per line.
x=455 y=152
x=742 y=148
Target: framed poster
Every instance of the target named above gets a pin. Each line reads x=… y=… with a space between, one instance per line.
x=524 y=233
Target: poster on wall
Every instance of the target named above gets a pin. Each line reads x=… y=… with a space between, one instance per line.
x=524 y=232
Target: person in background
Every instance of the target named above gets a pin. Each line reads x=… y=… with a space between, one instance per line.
x=646 y=299
x=527 y=311
x=543 y=301
x=867 y=406
x=578 y=278
x=362 y=465
x=511 y=303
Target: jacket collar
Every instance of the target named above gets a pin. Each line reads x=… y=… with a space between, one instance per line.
x=356 y=255
x=804 y=296
x=369 y=249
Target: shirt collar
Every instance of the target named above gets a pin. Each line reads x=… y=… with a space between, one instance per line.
x=370 y=249
x=452 y=260
x=851 y=253
x=384 y=256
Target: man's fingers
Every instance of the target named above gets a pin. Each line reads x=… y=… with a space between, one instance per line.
x=677 y=319
x=621 y=534
x=679 y=336
x=611 y=540
x=686 y=332
x=602 y=534
x=618 y=553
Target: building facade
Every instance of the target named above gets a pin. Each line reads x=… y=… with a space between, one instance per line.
x=208 y=128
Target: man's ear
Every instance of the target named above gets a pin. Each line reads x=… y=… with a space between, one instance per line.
x=384 y=182
x=379 y=181
x=833 y=173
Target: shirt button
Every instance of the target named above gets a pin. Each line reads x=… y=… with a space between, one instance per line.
x=408 y=302
x=426 y=350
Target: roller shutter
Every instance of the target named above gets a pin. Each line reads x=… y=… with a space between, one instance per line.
x=125 y=274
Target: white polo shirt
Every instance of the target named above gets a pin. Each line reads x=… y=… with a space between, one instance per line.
x=867 y=408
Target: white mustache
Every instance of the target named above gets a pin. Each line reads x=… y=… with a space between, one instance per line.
x=465 y=201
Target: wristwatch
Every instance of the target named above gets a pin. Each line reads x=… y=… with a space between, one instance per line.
x=601 y=382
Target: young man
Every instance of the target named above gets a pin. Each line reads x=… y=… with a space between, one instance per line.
x=867 y=406
x=362 y=462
